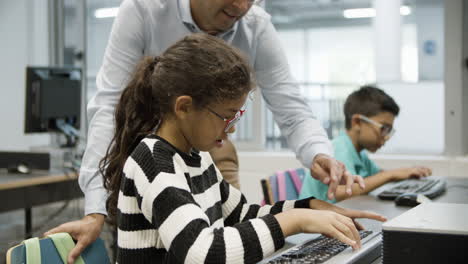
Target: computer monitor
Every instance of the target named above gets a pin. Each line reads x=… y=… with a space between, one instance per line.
x=53 y=100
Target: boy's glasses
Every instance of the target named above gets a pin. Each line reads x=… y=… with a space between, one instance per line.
x=229 y=122
x=386 y=131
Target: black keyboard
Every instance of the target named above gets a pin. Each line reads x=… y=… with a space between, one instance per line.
x=317 y=250
x=430 y=187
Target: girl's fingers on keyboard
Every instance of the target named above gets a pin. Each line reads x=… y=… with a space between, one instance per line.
x=358 y=225
x=345 y=230
x=365 y=214
x=336 y=233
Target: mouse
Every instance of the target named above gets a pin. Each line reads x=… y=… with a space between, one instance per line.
x=20 y=168
x=410 y=199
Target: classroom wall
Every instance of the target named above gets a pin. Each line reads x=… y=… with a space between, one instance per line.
x=420 y=125
x=24 y=35
x=430 y=21
x=98 y=34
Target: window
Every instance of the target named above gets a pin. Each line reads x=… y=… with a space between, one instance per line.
x=331 y=56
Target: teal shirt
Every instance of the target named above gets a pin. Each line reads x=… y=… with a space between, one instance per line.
x=356 y=164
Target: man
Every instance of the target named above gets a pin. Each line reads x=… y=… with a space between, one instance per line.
x=148 y=27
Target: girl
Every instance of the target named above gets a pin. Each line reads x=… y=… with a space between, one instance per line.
x=171 y=202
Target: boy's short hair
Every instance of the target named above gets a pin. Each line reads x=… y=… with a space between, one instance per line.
x=368 y=101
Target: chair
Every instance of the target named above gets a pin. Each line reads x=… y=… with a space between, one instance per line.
x=54 y=249
x=283 y=185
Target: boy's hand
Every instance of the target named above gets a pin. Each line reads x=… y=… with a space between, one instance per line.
x=333 y=173
x=417 y=172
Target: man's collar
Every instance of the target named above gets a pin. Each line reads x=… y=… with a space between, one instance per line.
x=186 y=15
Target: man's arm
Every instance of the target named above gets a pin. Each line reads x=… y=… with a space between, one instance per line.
x=304 y=133
x=124 y=50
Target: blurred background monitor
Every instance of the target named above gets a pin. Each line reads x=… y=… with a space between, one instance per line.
x=53 y=100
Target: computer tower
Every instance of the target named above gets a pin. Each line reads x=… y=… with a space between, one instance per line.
x=428 y=233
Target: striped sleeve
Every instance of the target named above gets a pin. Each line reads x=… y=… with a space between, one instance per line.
x=184 y=228
x=236 y=209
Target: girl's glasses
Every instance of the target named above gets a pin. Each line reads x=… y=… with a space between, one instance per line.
x=229 y=122
x=385 y=130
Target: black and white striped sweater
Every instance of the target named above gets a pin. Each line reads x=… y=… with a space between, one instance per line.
x=176 y=208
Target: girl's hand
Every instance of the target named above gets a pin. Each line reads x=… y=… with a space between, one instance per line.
x=331 y=224
x=317 y=221
x=353 y=214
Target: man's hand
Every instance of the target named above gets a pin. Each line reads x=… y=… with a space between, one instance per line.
x=333 y=173
x=85 y=231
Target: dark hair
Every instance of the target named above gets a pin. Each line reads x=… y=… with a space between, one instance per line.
x=201 y=66
x=368 y=101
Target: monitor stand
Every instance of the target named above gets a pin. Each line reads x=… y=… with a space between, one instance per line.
x=62 y=156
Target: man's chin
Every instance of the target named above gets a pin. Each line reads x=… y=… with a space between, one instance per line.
x=224 y=26
x=223 y=29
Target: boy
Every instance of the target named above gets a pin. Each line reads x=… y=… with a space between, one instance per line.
x=369 y=115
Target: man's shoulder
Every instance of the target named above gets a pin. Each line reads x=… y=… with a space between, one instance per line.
x=150 y=3
x=259 y=12
x=256 y=16
x=146 y=7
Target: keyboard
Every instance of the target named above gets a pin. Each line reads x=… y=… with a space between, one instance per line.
x=317 y=250
x=429 y=187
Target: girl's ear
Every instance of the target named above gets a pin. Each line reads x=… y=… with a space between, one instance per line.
x=183 y=106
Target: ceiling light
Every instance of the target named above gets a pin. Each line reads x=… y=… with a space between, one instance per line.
x=106 y=12
x=370 y=12
x=405 y=10
x=359 y=12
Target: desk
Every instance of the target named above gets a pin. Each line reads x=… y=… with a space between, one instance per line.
x=18 y=191
x=457 y=192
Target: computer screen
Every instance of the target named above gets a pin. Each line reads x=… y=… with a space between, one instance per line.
x=53 y=100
